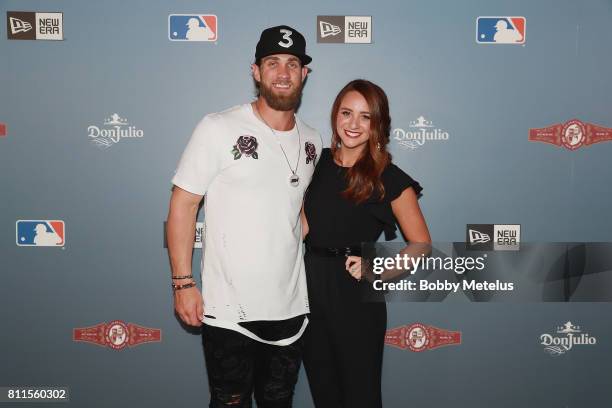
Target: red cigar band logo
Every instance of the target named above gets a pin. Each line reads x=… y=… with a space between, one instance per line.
x=117 y=334
x=420 y=337
x=572 y=134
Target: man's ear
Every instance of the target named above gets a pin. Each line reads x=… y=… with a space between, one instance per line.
x=304 y=73
x=256 y=73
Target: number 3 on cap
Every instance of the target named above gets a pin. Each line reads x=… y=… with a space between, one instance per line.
x=286 y=36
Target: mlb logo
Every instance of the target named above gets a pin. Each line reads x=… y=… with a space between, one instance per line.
x=500 y=30
x=40 y=233
x=192 y=27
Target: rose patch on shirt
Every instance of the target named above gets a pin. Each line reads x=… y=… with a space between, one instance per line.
x=311 y=153
x=245 y=145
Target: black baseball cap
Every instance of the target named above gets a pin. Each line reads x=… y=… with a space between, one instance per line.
x=282 y=40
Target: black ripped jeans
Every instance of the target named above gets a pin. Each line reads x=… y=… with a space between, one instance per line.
x=239 y=366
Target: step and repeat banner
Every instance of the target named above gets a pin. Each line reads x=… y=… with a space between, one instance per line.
x=502 y=110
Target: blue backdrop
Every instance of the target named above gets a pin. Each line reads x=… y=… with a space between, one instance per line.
x=117 y=58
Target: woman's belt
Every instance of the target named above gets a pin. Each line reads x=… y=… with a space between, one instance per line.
x=331 y=252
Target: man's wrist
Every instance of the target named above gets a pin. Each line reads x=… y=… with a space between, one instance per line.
x=182 y=277
x=181 y=286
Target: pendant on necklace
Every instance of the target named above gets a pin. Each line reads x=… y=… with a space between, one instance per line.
x=294 y=180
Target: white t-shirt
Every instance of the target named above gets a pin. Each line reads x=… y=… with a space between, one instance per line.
x=252 y=265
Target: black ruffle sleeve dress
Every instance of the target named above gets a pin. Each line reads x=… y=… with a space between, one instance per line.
x=345 y=337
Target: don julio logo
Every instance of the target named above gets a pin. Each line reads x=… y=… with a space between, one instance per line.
x=419 y=131
x=568 y=336
x=112 y=132
x=344 y=29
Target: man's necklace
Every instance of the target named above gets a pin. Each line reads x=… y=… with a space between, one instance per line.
x=294 y=179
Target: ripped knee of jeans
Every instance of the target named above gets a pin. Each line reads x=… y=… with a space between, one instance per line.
x=275 y=394
x=229 y=399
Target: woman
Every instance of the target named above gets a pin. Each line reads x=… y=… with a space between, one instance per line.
x=355 y=194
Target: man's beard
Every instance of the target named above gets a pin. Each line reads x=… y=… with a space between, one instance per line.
x=280 y=102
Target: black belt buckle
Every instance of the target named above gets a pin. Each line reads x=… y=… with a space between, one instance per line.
x=333 y=251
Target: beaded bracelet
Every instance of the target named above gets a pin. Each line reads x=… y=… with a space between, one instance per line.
x=185 y=286
x=182 y=277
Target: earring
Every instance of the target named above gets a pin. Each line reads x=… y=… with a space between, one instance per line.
x=378 y=146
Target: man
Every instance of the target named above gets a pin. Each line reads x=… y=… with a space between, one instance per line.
x=44 y=237
x=253 y=163
x=506 y=35
x=198 y=33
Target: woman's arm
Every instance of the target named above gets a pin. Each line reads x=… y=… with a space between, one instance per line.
x=410 y=218
x=412 y=223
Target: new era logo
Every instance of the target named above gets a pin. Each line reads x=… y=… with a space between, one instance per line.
x=493 y=237
x=19 y=26
x=327 y=29
x=344 y=29
x=478 y=237
x=28 y=25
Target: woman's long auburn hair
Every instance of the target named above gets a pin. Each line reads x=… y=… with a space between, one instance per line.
x=364 y=177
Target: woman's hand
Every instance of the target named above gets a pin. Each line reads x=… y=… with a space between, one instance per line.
x=353 y=266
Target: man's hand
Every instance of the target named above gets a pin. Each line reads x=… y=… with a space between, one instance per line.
x=181 y=232
x=189 y=306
